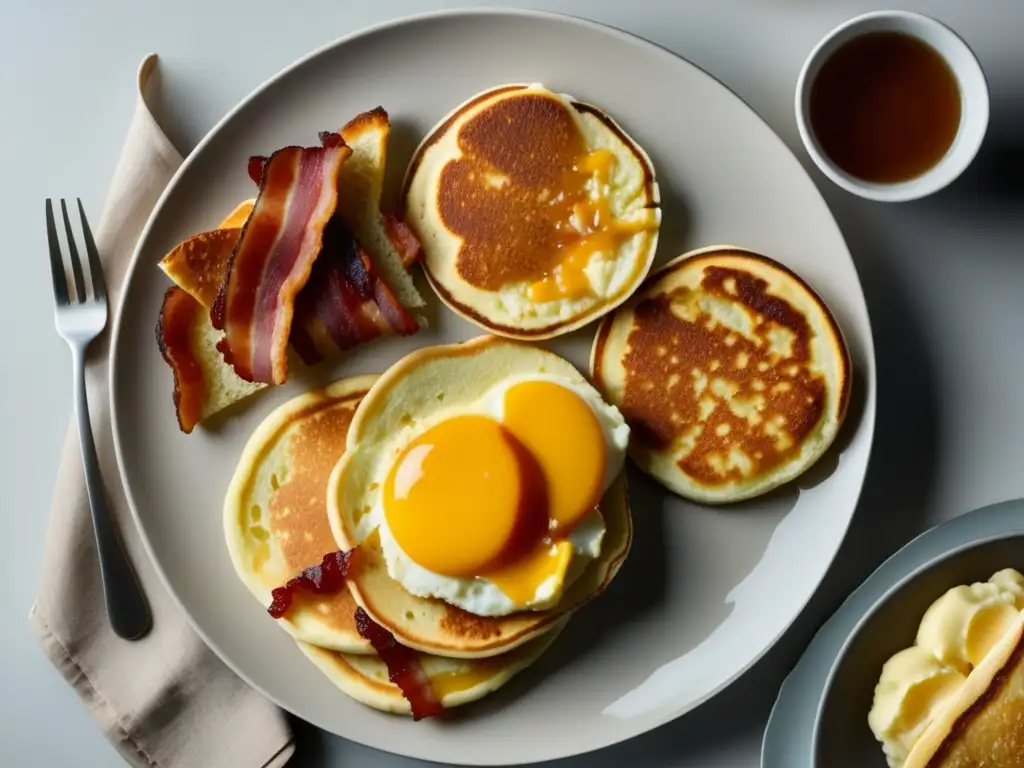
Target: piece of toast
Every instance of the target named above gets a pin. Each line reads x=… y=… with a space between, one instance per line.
x=197 y=265
x=361 y=183
x=203 y=383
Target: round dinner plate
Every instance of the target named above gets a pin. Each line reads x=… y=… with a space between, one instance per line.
x=705 y=592
x=789 y=738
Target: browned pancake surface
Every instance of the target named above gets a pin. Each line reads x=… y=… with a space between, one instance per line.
x=668 y=355
x=298 y=511
x=531 y=141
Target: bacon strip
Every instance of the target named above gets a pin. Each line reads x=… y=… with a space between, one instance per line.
x=403 y=239
x=324 y=579
x=404 y=668
x=255 y=168
x=174 y=336
x=274 y=256
x=345 y=303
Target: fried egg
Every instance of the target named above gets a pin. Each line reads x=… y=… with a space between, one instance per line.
x=491 y=505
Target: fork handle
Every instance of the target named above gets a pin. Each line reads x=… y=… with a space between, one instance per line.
x=127 y=608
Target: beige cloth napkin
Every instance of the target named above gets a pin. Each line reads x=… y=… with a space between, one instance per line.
x=165 y=700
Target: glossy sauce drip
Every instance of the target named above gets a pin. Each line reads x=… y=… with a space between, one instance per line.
x=477 y=672
x=520 y=579
x=885 y=107
x=584 y=225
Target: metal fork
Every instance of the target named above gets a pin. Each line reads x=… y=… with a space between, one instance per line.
x=79 y=321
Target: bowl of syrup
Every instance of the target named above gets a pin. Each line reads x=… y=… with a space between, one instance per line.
x=892 y=105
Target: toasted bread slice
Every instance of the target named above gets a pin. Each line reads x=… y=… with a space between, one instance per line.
x=362 y=182
x=198 y=264
x=203 y=383
x=197 y=267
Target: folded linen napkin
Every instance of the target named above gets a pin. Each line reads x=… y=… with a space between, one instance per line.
x=164 y=701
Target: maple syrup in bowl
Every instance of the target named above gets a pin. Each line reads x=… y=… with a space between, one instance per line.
x=892 y=105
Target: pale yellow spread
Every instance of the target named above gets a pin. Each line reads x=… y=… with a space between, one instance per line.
x=956 y=633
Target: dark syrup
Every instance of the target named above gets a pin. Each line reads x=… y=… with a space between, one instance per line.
x=885 y=107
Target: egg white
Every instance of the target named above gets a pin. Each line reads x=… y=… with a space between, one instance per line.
x=478 y=595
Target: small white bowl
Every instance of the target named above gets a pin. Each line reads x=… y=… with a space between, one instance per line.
x=973 y=103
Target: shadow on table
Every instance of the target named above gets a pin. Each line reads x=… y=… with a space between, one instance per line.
x=994 y=183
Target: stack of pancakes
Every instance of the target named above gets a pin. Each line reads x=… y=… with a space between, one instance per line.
x=294 y=498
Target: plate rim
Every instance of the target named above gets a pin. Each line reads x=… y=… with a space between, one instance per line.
x=868 y=363
x=998 y=521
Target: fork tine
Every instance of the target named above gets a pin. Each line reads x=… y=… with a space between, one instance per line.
x=76 y=263
x=60 y=285
x=99 y=286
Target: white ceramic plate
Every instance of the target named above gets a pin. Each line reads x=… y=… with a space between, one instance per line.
x=705 y=592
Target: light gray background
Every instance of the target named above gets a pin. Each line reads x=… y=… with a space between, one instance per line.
x=944 y=280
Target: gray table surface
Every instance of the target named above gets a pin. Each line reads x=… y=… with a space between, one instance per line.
x=943 y=279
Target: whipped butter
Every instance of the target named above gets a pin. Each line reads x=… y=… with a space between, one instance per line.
x=955 y=634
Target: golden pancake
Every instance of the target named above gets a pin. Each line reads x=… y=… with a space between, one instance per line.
x=275 y=514
x=729 y=369
x=455 y=681
x=537 y=213
x=422 y=388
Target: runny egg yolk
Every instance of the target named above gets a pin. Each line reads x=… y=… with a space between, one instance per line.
x=463 y=496
x=475 y=497
x=561 y=431
x=520 y=579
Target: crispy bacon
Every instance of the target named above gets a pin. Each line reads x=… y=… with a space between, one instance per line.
x=345 y=302
x=403 y=239
x=255 y=168
x=274 y=256
x=174 y=336
x=324 y=579
x=404 y=668
x=258 y=162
